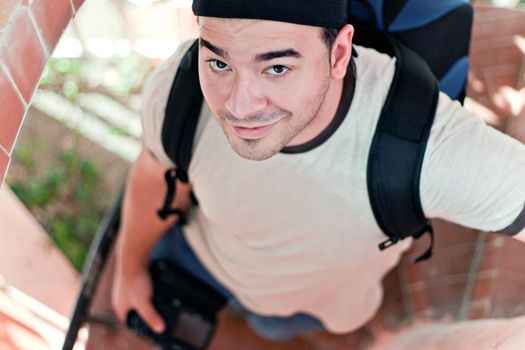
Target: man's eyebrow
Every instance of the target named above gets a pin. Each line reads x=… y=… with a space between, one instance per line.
x=216 y=50
x=267 y=56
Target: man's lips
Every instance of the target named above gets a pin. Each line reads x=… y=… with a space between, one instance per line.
x=252 y=132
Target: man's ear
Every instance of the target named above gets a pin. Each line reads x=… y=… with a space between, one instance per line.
x=342 y=51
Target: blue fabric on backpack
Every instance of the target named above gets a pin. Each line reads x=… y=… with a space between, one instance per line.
x=453 y=82
x=418 y=13
x=377 y=5
x=415 y=14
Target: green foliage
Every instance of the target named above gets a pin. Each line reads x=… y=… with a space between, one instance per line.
x=117 y=78
x=65 y=199
x=60 y=68
x=66 y=65
x=70 y=90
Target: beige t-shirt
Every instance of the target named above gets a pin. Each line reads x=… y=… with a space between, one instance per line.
x=296 y=233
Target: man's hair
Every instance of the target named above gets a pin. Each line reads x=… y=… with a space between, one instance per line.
x=328 y=35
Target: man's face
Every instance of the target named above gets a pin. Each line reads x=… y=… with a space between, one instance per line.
x=265 y=82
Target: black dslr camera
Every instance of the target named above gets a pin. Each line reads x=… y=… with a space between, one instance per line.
x=187 y=305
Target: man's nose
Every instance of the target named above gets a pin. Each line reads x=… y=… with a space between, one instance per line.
x=245 y=99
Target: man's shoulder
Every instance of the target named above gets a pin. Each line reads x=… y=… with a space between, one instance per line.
x=157 y=88
x=374 y=74
x=373 y=62
x=154 y=100
x=164 y=73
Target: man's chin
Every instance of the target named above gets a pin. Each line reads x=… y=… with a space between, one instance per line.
x=254 y=149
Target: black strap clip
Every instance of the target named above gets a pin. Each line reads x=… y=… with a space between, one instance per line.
x=426 y=255
x=171 y=176
x=388 y=243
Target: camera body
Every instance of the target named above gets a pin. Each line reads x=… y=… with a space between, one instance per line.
x=188 y=306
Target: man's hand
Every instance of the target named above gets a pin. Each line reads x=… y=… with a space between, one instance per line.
x=140 y=230
x=132 y=290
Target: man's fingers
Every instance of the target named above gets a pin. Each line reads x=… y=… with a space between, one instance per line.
x=133 y=291
x=144 y=308
x=148 y=313
x=120 y=312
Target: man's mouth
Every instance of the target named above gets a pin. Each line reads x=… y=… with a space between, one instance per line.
x=252 y=132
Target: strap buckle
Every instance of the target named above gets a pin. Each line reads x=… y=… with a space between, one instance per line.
x=388 y=243
x=171 y=177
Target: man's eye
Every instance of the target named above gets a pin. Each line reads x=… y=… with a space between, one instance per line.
x=277 y=70
x=217 y=65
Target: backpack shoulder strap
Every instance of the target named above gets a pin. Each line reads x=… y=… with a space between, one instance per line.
x=180 y=124
x=398 y=146
x=182 y=112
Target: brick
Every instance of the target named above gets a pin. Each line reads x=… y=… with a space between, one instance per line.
x=509 y=290
x=509 y=22
x=459 y=251
x=480 y=309
x=446 y=312
x=4 y=164
x=517 y=129
x=443 y=292
x=418 y=301
x=6 y=10
x=52 y=17
x=512 y=259
x=77 y=3
x=504 y=57
x=24 y=56
x=509 y=299
x=502 y=75
x=449 y=234
x=11 y=114
x=484 y=13
x=394 y=306
x=488 y=44
x=475 y=84
x=484 y=36
x=507 y=309
x=484 y=288
x=441 y=263
x=491 y=259
x=447 y=291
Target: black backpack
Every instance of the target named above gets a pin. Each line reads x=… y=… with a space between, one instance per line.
x=402 y=29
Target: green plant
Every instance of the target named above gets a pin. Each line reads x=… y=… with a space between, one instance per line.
x=65 y=199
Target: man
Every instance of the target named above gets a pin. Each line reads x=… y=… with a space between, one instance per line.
x=284 y=225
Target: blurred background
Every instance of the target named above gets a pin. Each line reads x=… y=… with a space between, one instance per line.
x=83 y=128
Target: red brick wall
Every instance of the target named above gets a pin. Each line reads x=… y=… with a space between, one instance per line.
x=29 y=31
x=496 y=60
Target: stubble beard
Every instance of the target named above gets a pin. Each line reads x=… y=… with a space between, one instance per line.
x=287 y=128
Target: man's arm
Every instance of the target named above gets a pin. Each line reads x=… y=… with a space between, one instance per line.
x=517 y=228
x=472 y=174
x=140 y=229
x=521 y=235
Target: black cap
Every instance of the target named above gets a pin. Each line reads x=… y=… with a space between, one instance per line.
x=318 y=13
